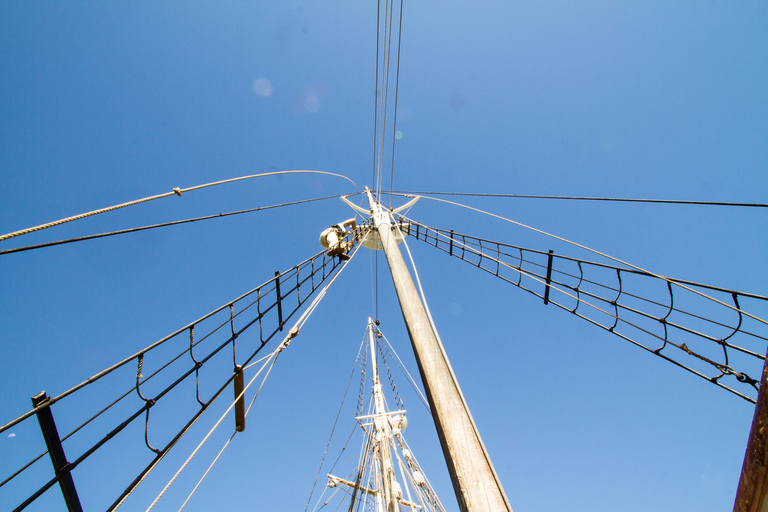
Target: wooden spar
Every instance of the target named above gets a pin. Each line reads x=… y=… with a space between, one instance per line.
x=474 y=481
x=752 y=492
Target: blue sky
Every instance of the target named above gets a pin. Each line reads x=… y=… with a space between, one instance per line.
x=105 y=103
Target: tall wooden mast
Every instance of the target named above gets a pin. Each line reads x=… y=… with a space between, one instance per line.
x=475 y=482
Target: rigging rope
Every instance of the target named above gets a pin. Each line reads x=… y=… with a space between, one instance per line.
x=598 y=253
x=397 y=89
x=577 y=198
x=293 y=271
x=308 y=265
x=273 y=358
x=723 y=368
x=333 y=429
x=376 y=95
x=176 y=191
x=384 y=90
x=407 y=374
x=475 y=245
x=153 y=226
x=298 y=325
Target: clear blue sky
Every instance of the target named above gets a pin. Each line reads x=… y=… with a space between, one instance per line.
x=105 y=103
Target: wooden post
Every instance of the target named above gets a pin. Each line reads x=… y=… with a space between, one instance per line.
x=752 y=493
x=474 y=481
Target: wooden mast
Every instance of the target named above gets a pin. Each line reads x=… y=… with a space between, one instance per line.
x=474 y=481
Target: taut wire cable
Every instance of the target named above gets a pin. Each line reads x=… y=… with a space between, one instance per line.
x=176 y=191
x=146 y=349
x=245 y=416
x=407 y=374
x=577 y=198
x=385 y=90
x=604 y=255
x=273 y=356
x=333 y=429
x=162 y=225
x=554 y=287
x=397 y=89
x=376 y=95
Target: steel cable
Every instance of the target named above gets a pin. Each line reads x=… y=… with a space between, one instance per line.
x=577 y=198
x=154 y=226
x=333 y=429
x=291 y=335
x=724 y=369
x=596 y=252
x=131 y=358
x=479 y=242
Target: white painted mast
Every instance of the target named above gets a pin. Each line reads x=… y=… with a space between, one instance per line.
x=389 y=451
x=382 y=432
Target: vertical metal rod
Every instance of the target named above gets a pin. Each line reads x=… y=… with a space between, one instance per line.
x=549 y=277
x=239 y=402
x=56 y=451
x=474 y=481
x=450 y=250
x=279 y=299
x=752 y=492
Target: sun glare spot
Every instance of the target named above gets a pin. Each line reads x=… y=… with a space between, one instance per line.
x=312 y=103
x=262 y=87
x=398 y=135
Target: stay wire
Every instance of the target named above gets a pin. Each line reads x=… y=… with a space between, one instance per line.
x=577 y=198
x=384 y=91
x=477 y=248
x=292 y=334
x=397 y=89
x=116 y=401
x=598 y=253
x=273 y=358
x=407 y=374
x=176 y=191
x=376 y=95
x=338 y=414
x=236 y=431
x=534 y=277
x=150 y=347
x=162 y=225
x=377 y=287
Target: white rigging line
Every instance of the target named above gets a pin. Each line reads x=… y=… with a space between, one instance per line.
x=384 y=91
x=403 y=369
x=176 y=191
x=397 y=89
x=273 y=356
x=333 y=429
x=704 y=295
x=236 y=431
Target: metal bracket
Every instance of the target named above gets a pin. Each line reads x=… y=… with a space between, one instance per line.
x=355 y=207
